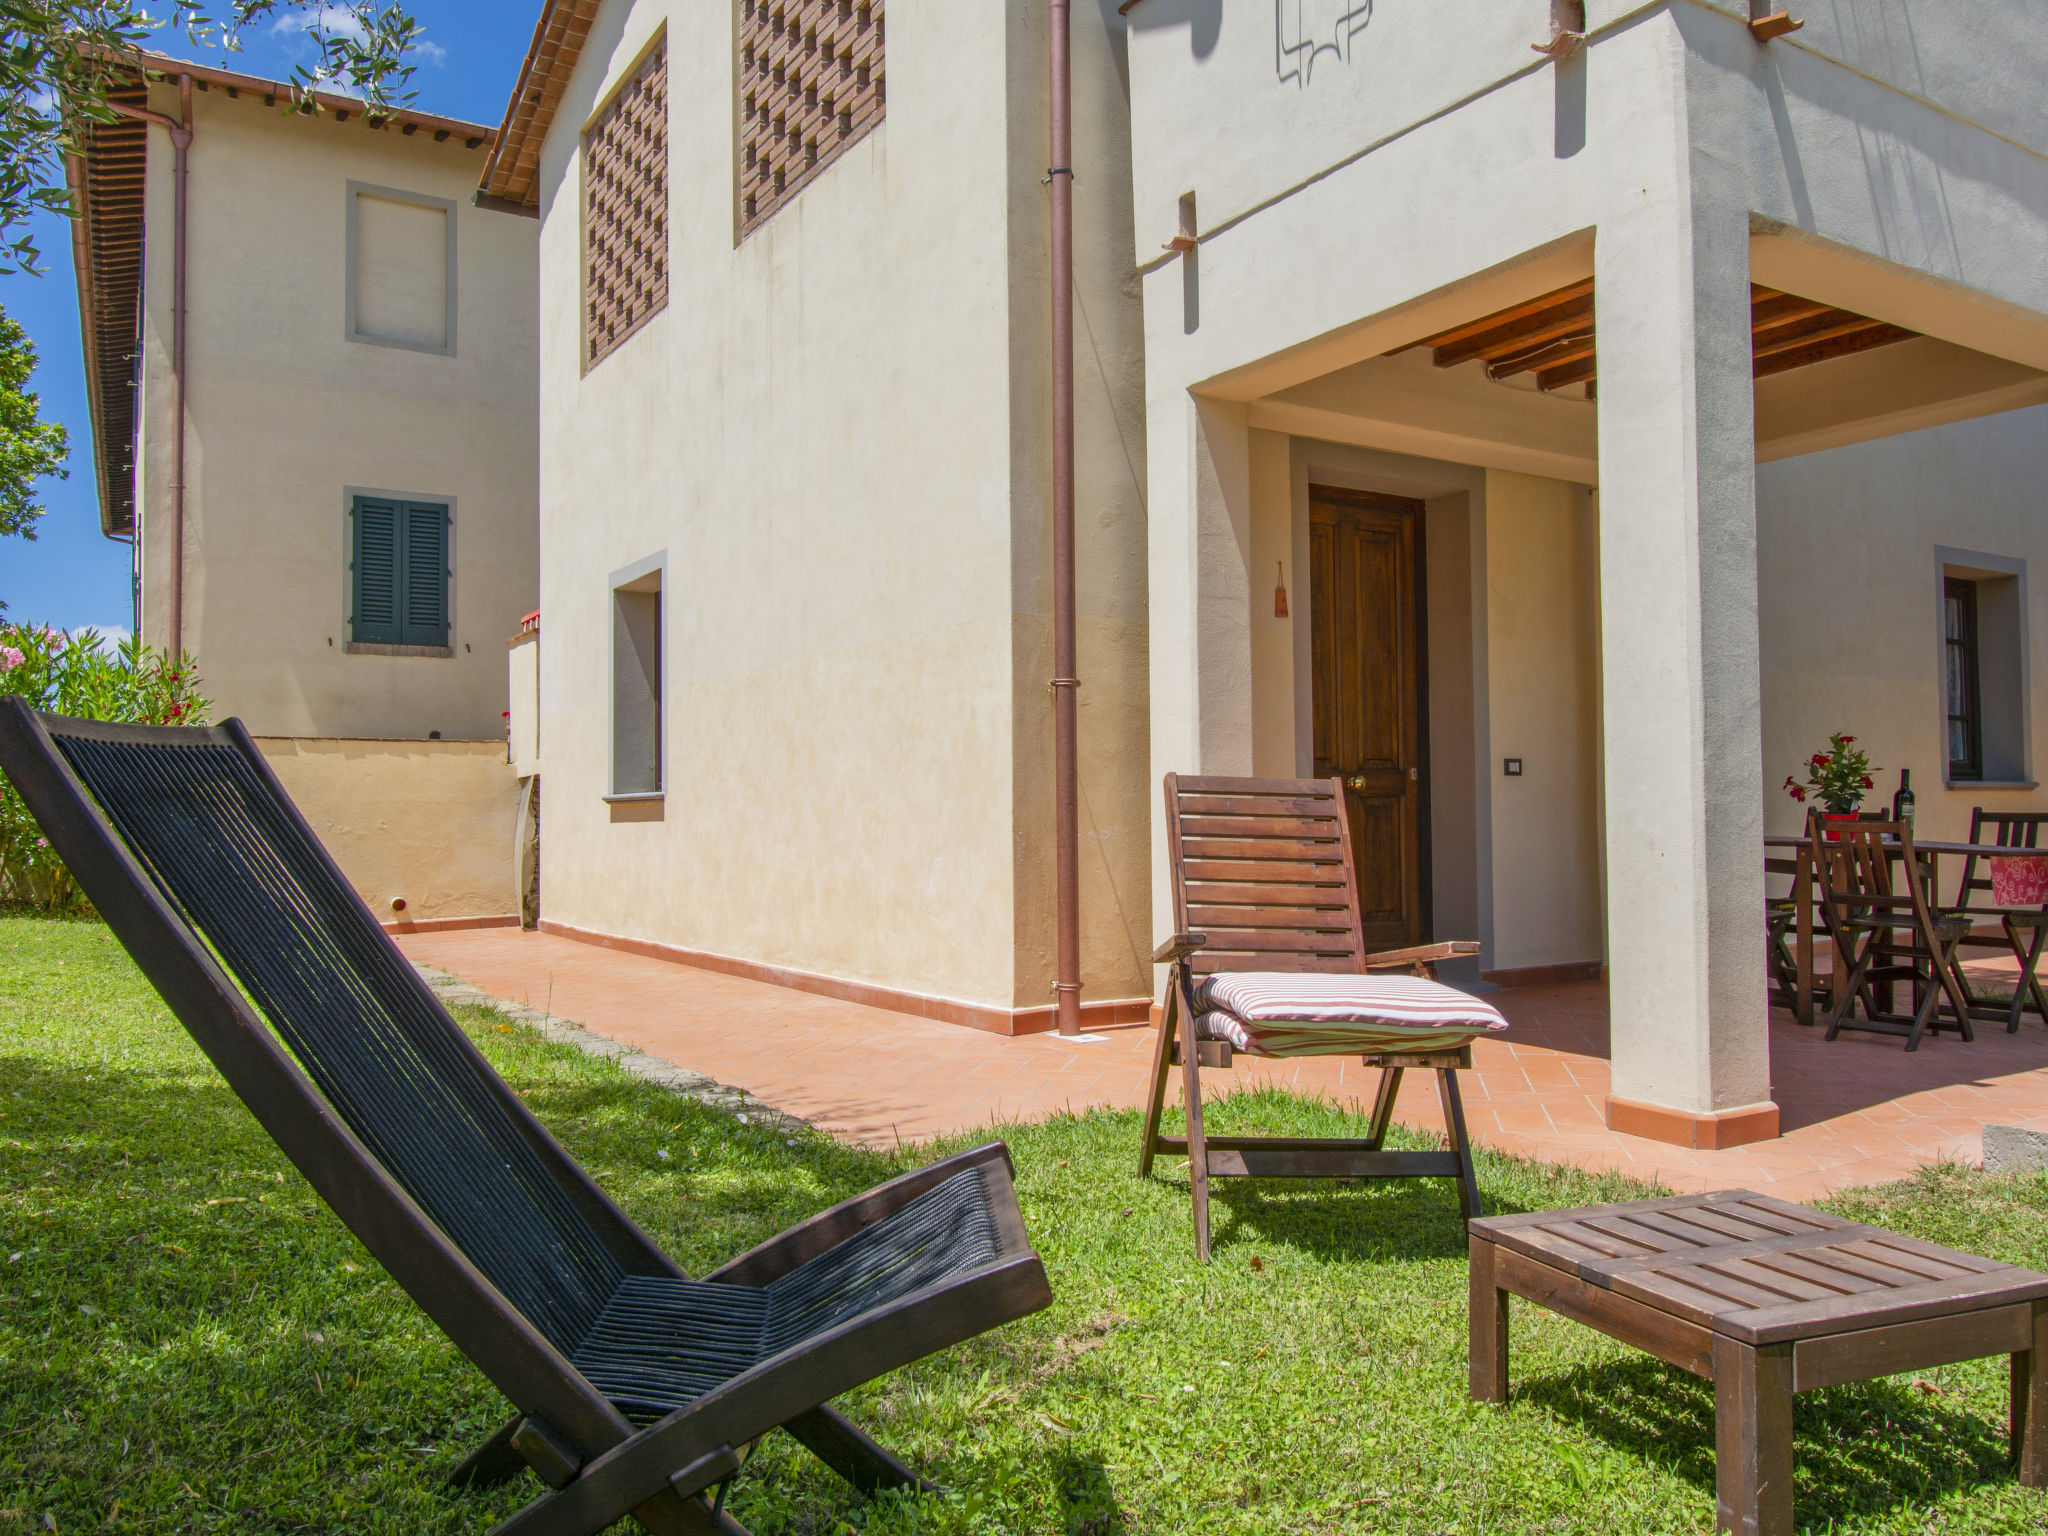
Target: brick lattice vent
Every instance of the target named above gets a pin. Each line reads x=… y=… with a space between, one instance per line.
x=810 y=87
x=625 y=279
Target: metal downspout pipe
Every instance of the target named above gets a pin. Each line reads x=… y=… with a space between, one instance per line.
x=1067 y=817
x=180 y=130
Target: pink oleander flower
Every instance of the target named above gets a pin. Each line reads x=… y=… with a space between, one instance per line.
x=10 y=658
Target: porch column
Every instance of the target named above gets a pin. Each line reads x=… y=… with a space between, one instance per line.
x=1678 y=603
x=1199 y=605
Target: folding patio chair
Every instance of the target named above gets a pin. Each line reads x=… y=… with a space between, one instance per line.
x=638 y=1389
x=1269 y=959
x=1887 y=928
x=2024 y=930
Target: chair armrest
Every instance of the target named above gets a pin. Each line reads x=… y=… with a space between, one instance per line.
x=1179 y=947
x=779 y=1255
x=1421 y=954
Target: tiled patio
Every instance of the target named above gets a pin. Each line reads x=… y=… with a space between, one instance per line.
x=1859 y=1111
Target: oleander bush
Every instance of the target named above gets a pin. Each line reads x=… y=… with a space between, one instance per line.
x=84 y=676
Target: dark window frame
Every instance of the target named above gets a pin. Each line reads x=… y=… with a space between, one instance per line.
x=1962 y=674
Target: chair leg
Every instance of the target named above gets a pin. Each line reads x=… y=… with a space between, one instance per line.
x=1470 y=1202
x=1846 y=991
x=1383 y=1106
x=1162 y=1065
x=1949 y=971
x=1198 y=1144
x=847 y=1450
x=2028 y=983
x=492 y=1463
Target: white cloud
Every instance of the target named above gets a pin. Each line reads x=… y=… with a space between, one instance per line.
x=339 y=19
x=115 y=635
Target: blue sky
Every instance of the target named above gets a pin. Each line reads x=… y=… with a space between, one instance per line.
x=71 y=575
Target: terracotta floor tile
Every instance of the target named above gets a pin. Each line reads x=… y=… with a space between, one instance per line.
x=1857 y=1111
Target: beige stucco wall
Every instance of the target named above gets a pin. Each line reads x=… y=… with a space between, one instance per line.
x=287 y=416
x=1847 y=574
x=429 y=822
x=1543 y=692
x=835 y=434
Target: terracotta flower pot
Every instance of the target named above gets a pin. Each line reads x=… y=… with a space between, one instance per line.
x=1849 y=815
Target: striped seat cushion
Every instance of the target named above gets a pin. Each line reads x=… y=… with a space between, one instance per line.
x=1278 y=1013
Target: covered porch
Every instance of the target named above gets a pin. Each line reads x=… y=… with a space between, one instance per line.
x=1614 y=430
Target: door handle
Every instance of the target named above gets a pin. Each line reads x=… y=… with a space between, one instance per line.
x=1355 y=781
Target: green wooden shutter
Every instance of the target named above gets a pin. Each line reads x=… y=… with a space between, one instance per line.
x=374 y=567
x=424 y=610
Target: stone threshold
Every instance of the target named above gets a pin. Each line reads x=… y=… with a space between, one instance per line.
x=630 y=1059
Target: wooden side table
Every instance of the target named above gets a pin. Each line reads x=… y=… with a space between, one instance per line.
x=1764 y=1299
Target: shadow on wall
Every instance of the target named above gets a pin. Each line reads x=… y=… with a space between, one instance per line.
x=1203 y=18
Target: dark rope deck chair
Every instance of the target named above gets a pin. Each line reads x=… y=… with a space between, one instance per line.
x=637 y=1388
x=1264 y=883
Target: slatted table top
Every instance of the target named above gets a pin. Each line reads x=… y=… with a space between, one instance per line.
x=1759 y=1270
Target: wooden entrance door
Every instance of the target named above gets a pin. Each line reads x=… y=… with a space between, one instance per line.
x=1366 y=566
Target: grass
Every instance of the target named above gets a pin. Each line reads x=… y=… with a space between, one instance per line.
x=189 y=1341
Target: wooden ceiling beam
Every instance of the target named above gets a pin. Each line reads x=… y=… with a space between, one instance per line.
x=1519 y=335
x=1876 y=334
x=1829 y=327
x=1513 y=312
x=1581 y=370
x=1565 y=349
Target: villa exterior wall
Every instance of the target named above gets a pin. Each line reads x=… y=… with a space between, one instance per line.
x=834 y=437
x=426 y=823
x=287 y=415
x=1847 y=570
x=1427 y=170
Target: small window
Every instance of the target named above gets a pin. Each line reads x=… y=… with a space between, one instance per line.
x=401 y=269
x=399 y=574
x=625 y=209
x=810 y=86
x=636 y=681
x=1965 y=690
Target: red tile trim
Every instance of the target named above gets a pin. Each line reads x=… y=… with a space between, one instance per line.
x=1000 y=1021
x=1545 y=975
x=451 y=924
x=1706 y=1133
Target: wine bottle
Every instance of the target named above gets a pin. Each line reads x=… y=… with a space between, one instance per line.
x=1902 y=799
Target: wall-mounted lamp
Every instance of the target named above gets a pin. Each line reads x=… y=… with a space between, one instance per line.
x=1280 y=592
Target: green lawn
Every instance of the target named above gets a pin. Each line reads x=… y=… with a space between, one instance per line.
x=190 y=1342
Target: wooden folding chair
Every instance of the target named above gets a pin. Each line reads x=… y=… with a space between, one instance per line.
x=1781 y=919
x=1888 y=929
x=637 y=1388
x=1263 y=882
x=2024 y=932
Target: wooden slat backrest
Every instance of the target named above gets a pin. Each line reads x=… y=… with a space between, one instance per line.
x=2009 y=829
x=1264 y=868
x=1853 y=863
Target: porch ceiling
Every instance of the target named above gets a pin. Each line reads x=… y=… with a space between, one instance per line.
x=1552 y=337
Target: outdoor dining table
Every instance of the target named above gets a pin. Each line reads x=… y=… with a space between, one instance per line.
x=1802 y=899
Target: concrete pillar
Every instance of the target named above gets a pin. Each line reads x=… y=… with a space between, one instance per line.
x=1678 y=600
x=1199 y=609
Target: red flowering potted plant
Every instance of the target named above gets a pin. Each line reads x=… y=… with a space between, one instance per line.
x=1836 y=778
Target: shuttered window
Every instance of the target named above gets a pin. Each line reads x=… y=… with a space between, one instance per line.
x=399 y=573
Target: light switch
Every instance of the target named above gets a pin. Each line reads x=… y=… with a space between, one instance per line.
x=1511 y=766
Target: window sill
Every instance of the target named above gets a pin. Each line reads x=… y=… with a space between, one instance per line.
x=377 y=648
x=639 y=797
x=1968 y=784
